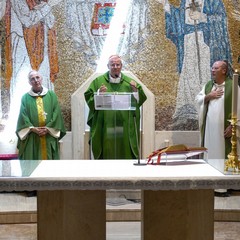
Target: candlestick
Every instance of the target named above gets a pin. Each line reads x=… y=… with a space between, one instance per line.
x=234 y=95
x=232 y=162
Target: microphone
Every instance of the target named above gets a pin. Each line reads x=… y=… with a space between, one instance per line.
x=138 y=163
x=116 y=76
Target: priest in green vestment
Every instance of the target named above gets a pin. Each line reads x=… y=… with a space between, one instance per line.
x=40 y=123
x=114 y=134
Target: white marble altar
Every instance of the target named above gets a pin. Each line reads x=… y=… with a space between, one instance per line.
x=178 y=199
x=117 y=174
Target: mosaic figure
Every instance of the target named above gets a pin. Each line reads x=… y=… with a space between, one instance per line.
x=2 y=12
x=89 y=30
x=30 y=44
x=199 y=31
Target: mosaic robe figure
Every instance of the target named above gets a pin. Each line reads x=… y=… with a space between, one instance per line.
x=200 y=34
x=30 y=44
x=80 y=15
x=2 y=12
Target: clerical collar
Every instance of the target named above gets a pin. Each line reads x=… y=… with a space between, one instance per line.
x=114 y=80
x=38 y=92
x=42 y=93
x=219 y=85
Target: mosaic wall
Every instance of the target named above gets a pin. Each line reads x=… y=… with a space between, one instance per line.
x=170 y=45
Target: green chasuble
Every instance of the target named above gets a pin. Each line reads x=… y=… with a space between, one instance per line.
x=37 y=111
x=113 y=132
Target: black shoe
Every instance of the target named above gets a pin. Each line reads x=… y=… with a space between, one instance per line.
x=234 y=192
x=31 y=193
x=221 y=194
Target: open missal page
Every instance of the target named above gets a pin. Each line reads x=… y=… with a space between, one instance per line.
x=112 y=101
x=175 y=152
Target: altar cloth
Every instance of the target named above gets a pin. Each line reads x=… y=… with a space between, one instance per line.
x=118 y=174
x=123 y=168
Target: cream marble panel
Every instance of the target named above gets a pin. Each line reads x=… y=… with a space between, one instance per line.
x=189 y=138
x=68 y=143
x=65 y=145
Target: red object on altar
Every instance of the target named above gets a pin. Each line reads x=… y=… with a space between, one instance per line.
x=8 y=156
x=179 y=149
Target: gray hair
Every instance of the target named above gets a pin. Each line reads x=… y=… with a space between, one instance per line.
x=29 y=74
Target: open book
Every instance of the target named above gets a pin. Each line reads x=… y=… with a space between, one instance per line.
x=180 y=150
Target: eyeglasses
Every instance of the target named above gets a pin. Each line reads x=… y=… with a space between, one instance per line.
x=115 y=65
x=35 y=79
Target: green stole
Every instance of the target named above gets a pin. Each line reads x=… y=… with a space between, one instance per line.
x=227 y=111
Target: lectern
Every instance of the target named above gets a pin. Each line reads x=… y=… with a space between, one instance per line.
x=115 y=101
x=117 y=107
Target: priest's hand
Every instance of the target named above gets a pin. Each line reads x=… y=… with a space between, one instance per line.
x=228 y=132
x=134 y=86
x=40 y=131
x=103 y=88
x=217 y=93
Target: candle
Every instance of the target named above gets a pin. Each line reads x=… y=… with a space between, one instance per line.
x=234 y=95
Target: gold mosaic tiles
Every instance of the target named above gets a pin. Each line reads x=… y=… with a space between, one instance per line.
x=154 y=61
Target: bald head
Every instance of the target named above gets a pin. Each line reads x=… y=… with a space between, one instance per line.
x=32 y=72
x=115 y=65
x=219 y=71
x=114 y=57
x=224 y=65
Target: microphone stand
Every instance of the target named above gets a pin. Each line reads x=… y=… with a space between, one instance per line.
x=138 y=163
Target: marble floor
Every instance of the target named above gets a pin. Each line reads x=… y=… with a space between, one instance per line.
x=115 y=231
